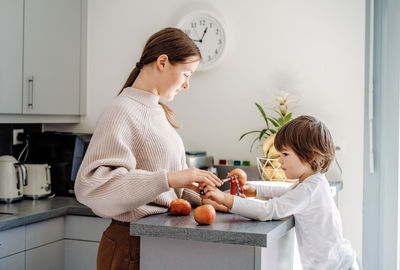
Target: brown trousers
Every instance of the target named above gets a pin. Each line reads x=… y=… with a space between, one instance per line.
x=118 y=250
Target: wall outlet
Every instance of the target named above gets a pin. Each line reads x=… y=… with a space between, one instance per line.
x=15 y=135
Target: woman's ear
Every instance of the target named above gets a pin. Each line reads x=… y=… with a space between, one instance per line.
x=162 y=61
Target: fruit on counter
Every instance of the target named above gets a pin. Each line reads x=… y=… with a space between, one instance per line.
x=269 y=141
x=204 y=214
x=180 y=207
x=269 y=149
x=273 y=153
x=268 y=172
x=275 y=164
x=241 y=175
x=279 y=175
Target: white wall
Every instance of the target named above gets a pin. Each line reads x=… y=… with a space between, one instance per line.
x=313 y=49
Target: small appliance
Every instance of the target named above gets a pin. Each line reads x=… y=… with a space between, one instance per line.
x=63 y=152
x=38 y=181
x=200 y=160
x=12 y=179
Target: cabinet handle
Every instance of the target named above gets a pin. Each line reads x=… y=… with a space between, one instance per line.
x=30 y=80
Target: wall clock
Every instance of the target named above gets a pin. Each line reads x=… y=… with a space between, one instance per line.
x=209 y=33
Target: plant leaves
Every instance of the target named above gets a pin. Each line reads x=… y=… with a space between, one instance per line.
x=288 y=117
x=262 y=113
x=251 y=146
x=262 y=134
x=247 y=133
x=273 y=121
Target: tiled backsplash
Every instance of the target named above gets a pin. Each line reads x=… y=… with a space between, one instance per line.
x=6 y=137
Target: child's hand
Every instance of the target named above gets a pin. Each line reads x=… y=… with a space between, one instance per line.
x=218 y=196
x=249 y=190
x=217 y=206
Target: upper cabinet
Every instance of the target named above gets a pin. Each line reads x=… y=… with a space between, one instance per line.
x=11 y=33
x=40 y=78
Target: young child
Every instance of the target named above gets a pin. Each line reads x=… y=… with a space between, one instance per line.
x=307 y=150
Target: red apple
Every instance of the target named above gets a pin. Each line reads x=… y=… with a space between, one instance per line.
x=180 y=207
x=242 y=176
x=204 y=214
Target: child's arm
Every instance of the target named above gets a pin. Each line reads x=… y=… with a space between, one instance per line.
x=288 y=204
x=262 y=189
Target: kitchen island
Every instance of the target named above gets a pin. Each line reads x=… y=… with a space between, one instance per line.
x=231 y=242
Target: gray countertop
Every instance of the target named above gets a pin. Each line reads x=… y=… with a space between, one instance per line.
x=29 y=211
x=227 y=229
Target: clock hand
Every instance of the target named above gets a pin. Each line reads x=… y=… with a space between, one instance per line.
x=205 y=31
x=198 y=40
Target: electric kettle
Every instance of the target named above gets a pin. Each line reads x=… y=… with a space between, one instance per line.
x=38 y=181
x=12 y=179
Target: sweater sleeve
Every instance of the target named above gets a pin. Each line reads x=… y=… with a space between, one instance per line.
x=290 y=203
x=271 y=191
x=108 y=181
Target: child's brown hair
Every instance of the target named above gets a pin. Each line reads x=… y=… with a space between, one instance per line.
x=310 y=139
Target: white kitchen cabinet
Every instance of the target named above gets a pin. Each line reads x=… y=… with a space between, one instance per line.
x=44 y=232
x=85 y=228
x=13 y=262
x=47 y=257
x=12 y=241
x=11 y=33
x=52 y=41
x=80 y=255
x=82 y=238
x=42 y=52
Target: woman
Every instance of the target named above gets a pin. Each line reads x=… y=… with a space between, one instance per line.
x=135 y=163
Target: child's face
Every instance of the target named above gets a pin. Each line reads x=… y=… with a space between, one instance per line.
x=293 y=167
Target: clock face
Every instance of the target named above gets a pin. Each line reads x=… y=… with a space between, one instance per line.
x=208 y=33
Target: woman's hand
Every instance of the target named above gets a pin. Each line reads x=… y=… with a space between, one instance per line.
x=189 y=177
x=249 y=190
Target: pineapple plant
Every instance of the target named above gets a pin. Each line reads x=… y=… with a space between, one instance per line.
x=268 y=165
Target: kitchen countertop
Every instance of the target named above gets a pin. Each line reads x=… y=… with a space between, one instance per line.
x=29 y=211
x=226 y=229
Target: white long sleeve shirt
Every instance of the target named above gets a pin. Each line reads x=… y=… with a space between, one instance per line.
x=317 y=221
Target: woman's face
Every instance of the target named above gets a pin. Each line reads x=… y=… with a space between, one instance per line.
x=176 y=77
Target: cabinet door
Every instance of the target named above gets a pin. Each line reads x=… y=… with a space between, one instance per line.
x=11 y=33
x=48 y=257
x=44 y=232
x=80 y=255
x=12 y=241
x=85 y=228
x=52 y=46
x=14 y=262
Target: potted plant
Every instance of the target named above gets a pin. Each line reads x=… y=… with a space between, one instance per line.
x=268 y=165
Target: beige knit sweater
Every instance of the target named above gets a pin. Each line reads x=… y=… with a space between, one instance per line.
x=124 y=172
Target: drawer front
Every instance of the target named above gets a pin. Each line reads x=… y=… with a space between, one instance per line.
x=80 y=255
x=85 y=228
x=47 y=257
x=44 y=232
x=14 y=262
x=12 y=241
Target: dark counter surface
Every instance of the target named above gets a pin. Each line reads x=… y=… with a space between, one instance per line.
x=226 y=229
x=29 y=211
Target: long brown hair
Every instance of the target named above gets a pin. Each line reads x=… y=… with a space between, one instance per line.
x=176 y=45
x=310 y=139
